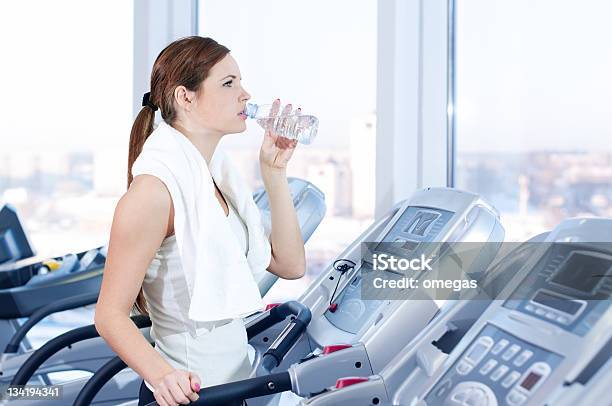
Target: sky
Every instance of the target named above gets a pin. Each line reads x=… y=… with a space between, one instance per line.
x=532 y=74
x=66 y=74
x=320 y=55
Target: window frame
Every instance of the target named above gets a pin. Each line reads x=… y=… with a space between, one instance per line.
x=415 y=92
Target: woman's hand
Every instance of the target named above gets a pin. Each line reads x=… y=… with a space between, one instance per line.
x=275 y=150
x=177 y=387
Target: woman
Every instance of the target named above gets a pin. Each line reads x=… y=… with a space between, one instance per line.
x=195 y=83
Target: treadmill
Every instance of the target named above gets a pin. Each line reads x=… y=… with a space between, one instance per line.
x=34 y=289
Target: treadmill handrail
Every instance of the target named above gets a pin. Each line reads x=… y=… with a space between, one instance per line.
x=292 y=332
x=278 y=314
x=65 y=304
x=98 y=380
x=212 y=395
x=273 y=316
x=245 y=389
x=45 y=352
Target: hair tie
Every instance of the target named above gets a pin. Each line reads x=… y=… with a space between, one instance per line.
x=146 y=101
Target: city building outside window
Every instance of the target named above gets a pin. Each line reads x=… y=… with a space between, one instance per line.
x=533 y=109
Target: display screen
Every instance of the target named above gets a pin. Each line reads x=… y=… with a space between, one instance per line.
x=530 y=381
x=582 y=272
x=421 y=222
x=557 y=302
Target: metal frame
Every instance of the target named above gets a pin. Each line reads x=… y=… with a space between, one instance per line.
x=415 y=82
x=451 y=84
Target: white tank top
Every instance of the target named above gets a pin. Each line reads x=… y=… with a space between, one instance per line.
x=218 y=352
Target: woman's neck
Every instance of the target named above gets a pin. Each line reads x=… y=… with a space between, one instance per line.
x=204 y=140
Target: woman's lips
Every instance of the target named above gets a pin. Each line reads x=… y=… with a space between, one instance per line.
x=242 y=116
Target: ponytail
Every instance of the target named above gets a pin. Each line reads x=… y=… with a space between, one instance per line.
x=142 y=128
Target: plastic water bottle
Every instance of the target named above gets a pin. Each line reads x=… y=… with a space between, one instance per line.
x=294 y=126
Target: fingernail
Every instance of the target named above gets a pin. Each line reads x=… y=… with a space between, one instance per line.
x=197 y=387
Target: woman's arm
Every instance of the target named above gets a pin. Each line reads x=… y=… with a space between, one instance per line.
x=139 y=226
x=288 y=260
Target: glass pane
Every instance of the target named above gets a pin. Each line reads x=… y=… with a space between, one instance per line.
x=533 y=109
x=304 y=54
x=66 y=80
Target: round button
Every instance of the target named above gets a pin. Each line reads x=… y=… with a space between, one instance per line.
x=562 y=319
x=471 y=392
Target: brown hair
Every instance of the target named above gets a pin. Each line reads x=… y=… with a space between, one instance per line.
x=185 y=62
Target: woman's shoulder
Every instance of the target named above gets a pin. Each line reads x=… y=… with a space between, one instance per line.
x=147 y=193
x=145 y=209
x=146 y=185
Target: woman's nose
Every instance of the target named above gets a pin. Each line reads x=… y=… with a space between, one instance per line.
x=245 y=96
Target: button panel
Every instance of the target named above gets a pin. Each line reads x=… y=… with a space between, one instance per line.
x=510 y=368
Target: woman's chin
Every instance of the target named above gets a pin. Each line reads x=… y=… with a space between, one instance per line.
x=240 y=128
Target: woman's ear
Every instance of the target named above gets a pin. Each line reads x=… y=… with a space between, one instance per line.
x=184 y=97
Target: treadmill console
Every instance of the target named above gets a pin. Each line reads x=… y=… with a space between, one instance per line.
x=14 y=242
x=568 y=287
x=497 y=366
x=540 y=332
x=415 y=225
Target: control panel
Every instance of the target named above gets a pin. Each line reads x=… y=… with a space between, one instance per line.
x=551 y=327
x=568 y=287
x=416 y=225
x=497 y=368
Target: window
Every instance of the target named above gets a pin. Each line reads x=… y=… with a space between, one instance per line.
x=66 y=80
x=67 y=85
x=533 y=109
x=312 y=56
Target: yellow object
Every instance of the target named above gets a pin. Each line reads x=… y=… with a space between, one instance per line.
x=52 y=264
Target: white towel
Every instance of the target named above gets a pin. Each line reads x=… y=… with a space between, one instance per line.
x=222 y=281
